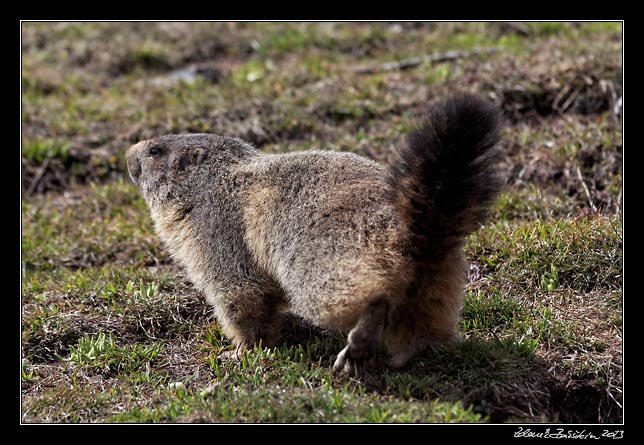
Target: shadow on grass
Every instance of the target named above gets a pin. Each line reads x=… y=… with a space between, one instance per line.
x=503 y=380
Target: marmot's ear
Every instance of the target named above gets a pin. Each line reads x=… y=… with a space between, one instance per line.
x=196 y=155
x=183 y=161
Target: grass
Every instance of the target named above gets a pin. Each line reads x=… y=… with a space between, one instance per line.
x=112 y=331
x=39 y=150
x=101 y=353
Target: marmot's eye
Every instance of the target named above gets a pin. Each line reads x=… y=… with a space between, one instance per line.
x=155 y=151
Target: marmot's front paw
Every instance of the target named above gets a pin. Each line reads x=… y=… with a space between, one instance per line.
x=235 y=355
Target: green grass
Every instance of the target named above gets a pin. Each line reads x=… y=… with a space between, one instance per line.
x=37 y=151
x=101 y=353
x=112 y=331
x=266 y=405
x=574 y=254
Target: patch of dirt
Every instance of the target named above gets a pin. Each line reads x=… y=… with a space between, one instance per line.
x=583 y=402
x=586 y=89
x=83 y=164
x=58 y=333
x=579 y=159
x=542 y=397
x=197 y=417
x=165 y=318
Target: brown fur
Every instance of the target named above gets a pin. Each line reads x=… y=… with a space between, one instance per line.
x=331 y=237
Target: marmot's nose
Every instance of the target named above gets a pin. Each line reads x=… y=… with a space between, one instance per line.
x=133 y=164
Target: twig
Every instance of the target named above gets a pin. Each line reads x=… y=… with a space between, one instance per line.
x=586 y=191
x=562 y=93
x=38 y=177
x=413 y=62
x=516 y=28
x=61 y=179
x=570 y=100
x=146 y=332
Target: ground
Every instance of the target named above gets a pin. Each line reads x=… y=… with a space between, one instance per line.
x=112 y=331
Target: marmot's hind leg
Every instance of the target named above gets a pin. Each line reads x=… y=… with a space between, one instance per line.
x=431 y=314
x=363 y=340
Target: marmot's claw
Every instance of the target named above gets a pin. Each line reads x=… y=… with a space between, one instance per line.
x=234 y=355
x=345 y=363
x=341 y=360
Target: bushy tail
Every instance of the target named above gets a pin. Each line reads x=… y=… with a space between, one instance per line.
x=446 y=176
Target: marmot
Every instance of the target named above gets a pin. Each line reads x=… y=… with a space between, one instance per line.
x=333 y=237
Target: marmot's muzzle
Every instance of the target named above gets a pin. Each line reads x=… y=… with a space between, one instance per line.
x=133 y=164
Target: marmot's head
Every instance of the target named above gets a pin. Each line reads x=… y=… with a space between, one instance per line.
x=158 y=165
x=162 y=166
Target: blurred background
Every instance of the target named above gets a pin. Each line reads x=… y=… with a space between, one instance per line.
x=92 y=89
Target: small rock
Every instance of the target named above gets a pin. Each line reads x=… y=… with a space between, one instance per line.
x=189 y=74
x=209 y=73
x=208 y=390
